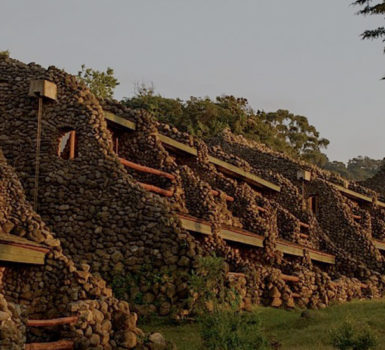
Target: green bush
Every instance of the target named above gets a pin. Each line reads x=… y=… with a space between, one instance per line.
x=209 y=287
x=353 y=337
x=229 y=330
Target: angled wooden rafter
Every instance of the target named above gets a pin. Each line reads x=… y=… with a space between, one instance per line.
x=223 y=166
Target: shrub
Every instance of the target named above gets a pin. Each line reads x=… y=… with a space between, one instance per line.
x=229 y=330
x=208 y=284
x=350 y=336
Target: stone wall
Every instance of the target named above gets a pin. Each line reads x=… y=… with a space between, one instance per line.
x=55 y=289
x=113 y=228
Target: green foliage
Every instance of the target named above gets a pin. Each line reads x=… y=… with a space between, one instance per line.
x=359 y=168
x=350 y=336
x=101 y=84
x=207 y=283
x=209 y=288
x=4 y=53
x=205 y=118
x=371 y=7
x=227 y=330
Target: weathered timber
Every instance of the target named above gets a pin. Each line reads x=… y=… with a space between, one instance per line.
x=145 y=169
x=19 y=250
x=227 y=197
x=57 y=345
x=289 y=278
x=352 y=194
x=242 y=236
x=223 y=166
x=156 y=189
x=379 y=244
x=52 y=322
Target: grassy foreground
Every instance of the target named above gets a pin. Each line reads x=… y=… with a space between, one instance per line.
x=289 y=328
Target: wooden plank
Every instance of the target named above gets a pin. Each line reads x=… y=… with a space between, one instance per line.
x=380 y=204
x=194 y=225
x=227 y=197
x=322 y=257
x=19 y=254
x=352 y=194
x=304 y=225
x=222 y=165
x=52 y=322
x=57 y=345
x=290 y=278
x=289 y=248
x=119 y=120
x=242 y=236
x=72 y=142
x=146 y=169
x=156 y=189
x=245 y=175
x=236 y=236
x=379 y=244
x=177 y=145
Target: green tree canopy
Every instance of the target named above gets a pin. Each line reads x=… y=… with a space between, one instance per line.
x=101 y=84
x=4 y=53
x=359 y=168
x=371 y=7
x=205 y=118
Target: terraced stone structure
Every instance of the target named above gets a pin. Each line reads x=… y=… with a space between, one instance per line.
x=124 y=200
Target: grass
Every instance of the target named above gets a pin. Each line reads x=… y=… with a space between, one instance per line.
x=289 y=328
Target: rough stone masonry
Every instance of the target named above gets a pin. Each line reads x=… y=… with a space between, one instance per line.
x=103 y=227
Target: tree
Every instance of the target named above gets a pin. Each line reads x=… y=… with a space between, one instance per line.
x=371 y=7
x=368 y=7
x=206 y=118
x=4 y=53
x=359 y=168
x=101 y=84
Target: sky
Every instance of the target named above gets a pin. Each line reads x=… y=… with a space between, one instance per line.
x=302 y=55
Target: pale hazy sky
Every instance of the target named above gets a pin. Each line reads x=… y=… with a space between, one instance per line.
x=301 y=55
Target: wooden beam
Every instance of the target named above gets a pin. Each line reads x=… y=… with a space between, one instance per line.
x=379 y=244
x=289 y=248
x=317 y=255
x=222 y=165
x=236 y=274
x=290 y=278
x=352 y=194
x=227 y=197
x=72 y=143
x=171 y=143
x=242 y=236
x=235 y=171
x=196 y=225
x=57 y=345
x=304 y=225
x=156 y=189
x=119 y=120
x=145 y=169
x=18 y=254
x=52 y=322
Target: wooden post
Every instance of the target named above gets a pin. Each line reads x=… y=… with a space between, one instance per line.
x=38 y=145
x=72 y=141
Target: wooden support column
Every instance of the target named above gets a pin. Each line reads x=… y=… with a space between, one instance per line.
x=72 y=141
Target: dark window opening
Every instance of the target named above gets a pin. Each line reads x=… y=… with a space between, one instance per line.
x=67 y=148
x=312 y=204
